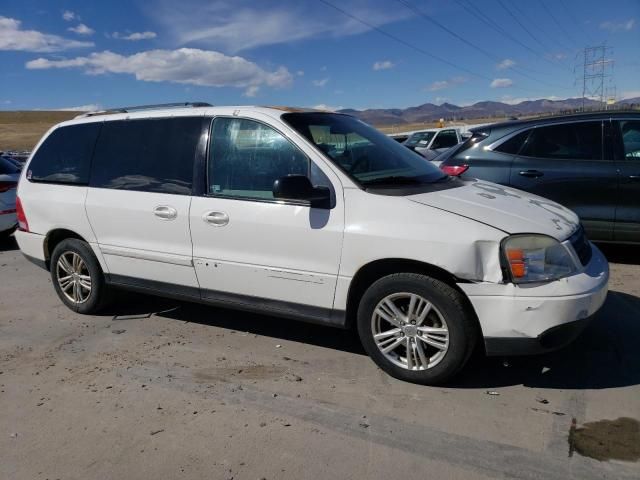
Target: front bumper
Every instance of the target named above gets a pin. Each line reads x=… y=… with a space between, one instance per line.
x=528 y=319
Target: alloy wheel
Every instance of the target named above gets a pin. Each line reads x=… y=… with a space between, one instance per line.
x=410 y=331
x=73 y=277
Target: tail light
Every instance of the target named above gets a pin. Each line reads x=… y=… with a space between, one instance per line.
x=454 y=170
x=23 y=225
x=6 y=186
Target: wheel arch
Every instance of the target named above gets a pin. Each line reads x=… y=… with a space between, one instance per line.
x=53 y=238
x=375 y=270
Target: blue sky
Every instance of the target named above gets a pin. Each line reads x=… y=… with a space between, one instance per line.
x=338 y=53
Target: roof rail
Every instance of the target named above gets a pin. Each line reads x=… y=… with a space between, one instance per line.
x=144 y=107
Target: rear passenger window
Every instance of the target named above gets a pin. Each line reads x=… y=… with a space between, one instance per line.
x=569 y=141
x=65 y=155
x=151 y=155
x=514 y=144
x=246 y=157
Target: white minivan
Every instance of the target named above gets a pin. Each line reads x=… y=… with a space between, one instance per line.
x=309 y=215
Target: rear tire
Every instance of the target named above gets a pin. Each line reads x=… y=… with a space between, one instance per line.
x=416 y=328
x=77 y=276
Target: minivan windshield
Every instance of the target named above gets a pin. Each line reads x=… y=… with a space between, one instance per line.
x=368 y=156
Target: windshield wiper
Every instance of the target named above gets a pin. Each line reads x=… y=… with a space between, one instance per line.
x=392 y=180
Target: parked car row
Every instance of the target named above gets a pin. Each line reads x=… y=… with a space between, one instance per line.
x=589 y=163
x=9 y=175
x=310 y=215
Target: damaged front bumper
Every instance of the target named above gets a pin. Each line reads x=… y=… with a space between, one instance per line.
x=535 y=318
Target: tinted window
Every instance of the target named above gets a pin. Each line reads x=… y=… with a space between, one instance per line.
x=567 y=141
x=514 y=144
x=65 y=155
x=6 y=167
x=246 y=157
x=445 y=139
x=631 y=139
x=154 y=155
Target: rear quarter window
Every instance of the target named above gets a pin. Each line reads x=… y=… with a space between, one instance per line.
x=7 y=168
x=513 y=145
x=150 y=155
x=65 y=155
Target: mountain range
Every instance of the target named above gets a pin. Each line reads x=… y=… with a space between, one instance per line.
x=430 y=112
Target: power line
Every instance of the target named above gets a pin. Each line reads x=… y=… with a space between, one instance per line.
x=405 y=43
x=522 y=25
x=474 y=11
x=562 y=29
x=575 y=21
x=488 y=54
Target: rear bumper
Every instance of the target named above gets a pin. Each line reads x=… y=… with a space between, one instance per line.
x=32 y=246
x=523 y=320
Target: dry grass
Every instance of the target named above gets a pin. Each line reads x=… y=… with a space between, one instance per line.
x=22 y=130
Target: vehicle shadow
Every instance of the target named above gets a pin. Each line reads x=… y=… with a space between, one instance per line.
x=621 y=253
x=8 y=244
x=131 y=304
x=606 y=355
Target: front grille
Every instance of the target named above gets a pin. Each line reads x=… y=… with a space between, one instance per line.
x=581 y=245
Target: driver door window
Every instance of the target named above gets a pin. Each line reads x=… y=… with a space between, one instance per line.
x=246 y=157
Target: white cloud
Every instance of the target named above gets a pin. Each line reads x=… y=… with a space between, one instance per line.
x=13 y=37
x=185 y=65
x=383 y=65
x=624 y=26
x=82 y=29
x=135 y=36
x=501 y=83
x=68 y=15
x=251 y=91
x=327 y=108
x=506 y=63
x=245 y=24
x=90 y=107
x=443 y=84
x=300 y=73
x=320 y=83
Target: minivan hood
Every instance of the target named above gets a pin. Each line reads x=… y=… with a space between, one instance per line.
x=505 y=208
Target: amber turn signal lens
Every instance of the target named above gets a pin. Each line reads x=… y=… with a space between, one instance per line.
x=516 y=262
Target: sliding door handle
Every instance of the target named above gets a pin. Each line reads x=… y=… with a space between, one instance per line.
x=217 y=219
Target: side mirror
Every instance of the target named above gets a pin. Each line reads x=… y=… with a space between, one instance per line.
x=299 y=187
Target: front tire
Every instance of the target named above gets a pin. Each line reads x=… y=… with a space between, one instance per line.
x=416 y=328
x=77 y=276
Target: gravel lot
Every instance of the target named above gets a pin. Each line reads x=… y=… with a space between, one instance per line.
x=161 y=389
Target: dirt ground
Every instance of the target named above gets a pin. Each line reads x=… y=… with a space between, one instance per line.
x=160 y=389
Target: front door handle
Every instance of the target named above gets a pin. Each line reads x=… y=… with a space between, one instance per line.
x=531 y=173
x=165 y=212
x=217 y=219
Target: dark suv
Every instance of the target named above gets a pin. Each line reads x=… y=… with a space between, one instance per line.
x=588 y=162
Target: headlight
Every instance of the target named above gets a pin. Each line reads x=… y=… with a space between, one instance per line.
x=536 y=258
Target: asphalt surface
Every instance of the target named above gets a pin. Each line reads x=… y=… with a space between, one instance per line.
x=155 y=388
